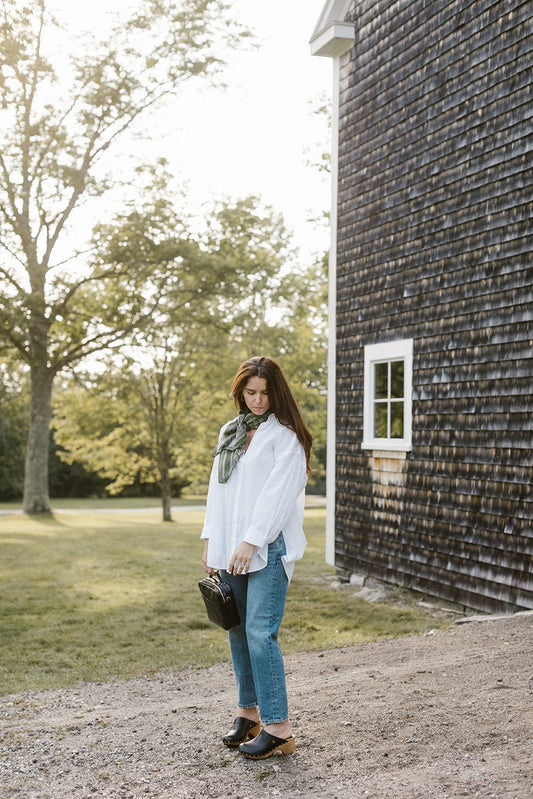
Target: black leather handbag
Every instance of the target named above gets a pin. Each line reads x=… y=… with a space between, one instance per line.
x=219 y=601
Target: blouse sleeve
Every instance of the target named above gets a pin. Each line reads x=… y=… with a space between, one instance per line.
x=214 y=495
x=212 y=499
x=280 y=491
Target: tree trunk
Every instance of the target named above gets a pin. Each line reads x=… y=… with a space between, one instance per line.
x=166 y=497
x=163 y=463
x=36 y=492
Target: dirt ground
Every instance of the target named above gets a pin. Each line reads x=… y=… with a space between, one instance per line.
x=440 y=715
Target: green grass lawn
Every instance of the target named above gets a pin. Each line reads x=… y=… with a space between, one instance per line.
x=93 y=596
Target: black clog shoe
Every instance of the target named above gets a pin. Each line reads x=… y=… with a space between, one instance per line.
x=243 y=730
x=266 y=745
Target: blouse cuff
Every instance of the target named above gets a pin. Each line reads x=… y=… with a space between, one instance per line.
x=255 y=536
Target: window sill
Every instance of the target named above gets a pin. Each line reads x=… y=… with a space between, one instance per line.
x=387 y=449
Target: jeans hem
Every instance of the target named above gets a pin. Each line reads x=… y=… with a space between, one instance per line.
x=276 y=721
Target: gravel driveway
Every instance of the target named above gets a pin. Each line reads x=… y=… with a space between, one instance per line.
x=446 y=714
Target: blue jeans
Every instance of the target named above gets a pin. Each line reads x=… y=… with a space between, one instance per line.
x=257 y=659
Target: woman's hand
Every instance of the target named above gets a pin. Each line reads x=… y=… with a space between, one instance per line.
x=207 y=568
x=241 y=558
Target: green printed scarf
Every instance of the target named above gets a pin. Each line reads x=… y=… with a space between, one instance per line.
x=231 y=446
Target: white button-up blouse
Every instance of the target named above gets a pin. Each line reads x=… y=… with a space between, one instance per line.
x=265 y=495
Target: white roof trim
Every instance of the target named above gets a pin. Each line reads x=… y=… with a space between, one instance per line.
x=333 y=36
x=336 y=39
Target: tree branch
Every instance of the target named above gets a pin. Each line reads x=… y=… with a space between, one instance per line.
x=26 y=132
x=14 y=221
x=103 y=340
x=9 y=334
x=9 y=277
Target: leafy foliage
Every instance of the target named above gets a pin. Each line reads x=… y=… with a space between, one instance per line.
x=13 y=429
x=52 y=143
x=56 y=306
x=167 y=382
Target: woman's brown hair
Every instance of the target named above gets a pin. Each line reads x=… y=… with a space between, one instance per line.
x=281 y=399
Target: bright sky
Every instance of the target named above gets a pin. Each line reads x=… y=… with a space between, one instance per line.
x=253 y=137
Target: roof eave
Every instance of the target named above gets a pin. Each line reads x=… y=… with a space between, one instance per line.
x=333 y=40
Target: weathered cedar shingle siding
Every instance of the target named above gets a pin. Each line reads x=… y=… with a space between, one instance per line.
x=435 y=243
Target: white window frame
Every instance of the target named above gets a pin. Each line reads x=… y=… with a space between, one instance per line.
x=383 y=353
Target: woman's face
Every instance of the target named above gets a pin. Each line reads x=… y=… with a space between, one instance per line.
x=255 y=395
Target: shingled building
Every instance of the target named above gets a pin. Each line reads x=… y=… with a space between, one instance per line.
x=431 y=296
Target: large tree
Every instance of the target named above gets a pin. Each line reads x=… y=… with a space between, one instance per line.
x=57 y=124
x=148 y=417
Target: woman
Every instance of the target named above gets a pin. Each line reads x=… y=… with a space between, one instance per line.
x=253 y=534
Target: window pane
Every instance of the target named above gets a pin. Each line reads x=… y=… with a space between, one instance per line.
x=380 y=420
x=397 y=379
x=396 y=419
x=381 y=380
